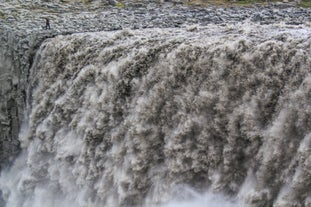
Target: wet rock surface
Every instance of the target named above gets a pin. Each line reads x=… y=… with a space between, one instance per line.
x=22 y=30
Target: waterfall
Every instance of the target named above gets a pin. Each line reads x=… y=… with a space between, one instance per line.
x=202 y=116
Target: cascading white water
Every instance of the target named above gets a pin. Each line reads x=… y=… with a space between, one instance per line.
x=211 y=116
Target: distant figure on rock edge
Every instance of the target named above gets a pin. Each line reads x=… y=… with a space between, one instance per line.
x=47 y=23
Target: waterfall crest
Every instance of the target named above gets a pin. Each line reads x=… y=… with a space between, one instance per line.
x=140 y=118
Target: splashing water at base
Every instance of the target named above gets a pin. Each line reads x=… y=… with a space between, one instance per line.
x=124 y=118
x=202 y=200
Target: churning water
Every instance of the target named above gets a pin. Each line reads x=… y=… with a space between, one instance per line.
x=216 y=116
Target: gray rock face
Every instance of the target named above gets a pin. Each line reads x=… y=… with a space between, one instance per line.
x=16 y=52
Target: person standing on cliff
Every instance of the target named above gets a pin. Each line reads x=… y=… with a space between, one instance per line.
x=47 y=23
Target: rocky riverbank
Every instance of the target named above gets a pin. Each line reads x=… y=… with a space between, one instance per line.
x=22 y=31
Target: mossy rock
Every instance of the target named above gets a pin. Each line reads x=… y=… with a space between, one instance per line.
x=85 y=1
x=305 y=4
x=2 y=15
x=120 y=5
